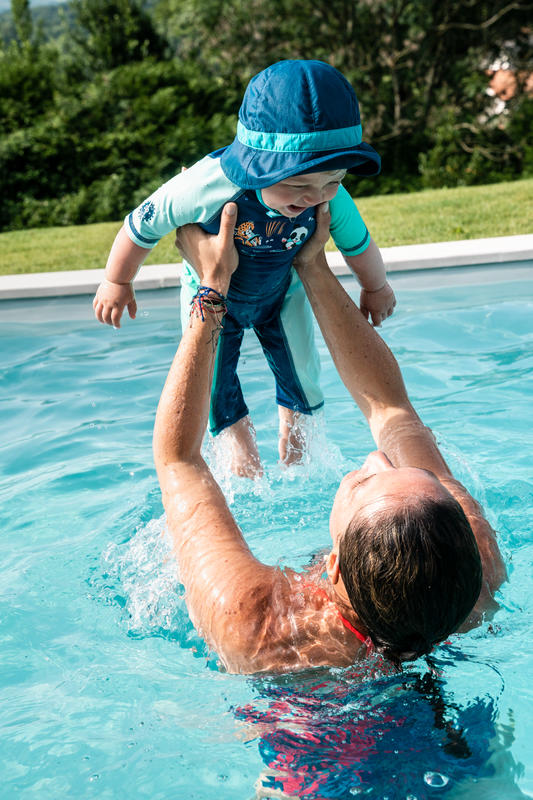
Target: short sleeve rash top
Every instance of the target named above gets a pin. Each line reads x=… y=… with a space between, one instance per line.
x=266 y=241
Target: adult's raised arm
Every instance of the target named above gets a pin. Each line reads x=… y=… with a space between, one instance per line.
x=372 y=376
x=225 y=585
x=365 y=364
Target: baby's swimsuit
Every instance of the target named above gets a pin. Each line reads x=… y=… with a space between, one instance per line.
x=265 y=293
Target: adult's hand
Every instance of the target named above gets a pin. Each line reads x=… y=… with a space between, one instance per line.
x=214 y=258
x=307 y=255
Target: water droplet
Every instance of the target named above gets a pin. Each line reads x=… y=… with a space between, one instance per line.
x=436 y=779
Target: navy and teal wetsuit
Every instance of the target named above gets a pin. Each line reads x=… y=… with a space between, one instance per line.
x=265 y=293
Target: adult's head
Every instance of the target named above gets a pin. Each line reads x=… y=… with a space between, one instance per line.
x=406 y=555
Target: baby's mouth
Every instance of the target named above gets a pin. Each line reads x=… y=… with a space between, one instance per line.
x=295 y=210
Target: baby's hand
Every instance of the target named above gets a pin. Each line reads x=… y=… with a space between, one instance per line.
x=111 y=299
x=378 y=304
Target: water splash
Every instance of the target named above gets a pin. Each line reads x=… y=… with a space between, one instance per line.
x=142 y=576
x=322 y=459
x=322 y=462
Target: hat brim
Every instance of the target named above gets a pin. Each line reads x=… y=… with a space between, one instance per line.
x=255 y=169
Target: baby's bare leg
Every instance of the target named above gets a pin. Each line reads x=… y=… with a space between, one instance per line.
x=240 y=442
x=291 y=443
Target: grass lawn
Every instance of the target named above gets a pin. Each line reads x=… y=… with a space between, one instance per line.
x=434 y=215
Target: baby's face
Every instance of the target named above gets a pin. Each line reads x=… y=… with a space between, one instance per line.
x=292 y=196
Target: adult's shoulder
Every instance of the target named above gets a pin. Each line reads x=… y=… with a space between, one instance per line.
x=494 y=572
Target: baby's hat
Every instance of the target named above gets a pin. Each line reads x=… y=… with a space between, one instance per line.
x=297 y=116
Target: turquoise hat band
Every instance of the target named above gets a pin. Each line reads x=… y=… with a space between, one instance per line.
x=314 y=141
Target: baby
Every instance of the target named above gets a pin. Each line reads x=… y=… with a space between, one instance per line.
x=298 y=134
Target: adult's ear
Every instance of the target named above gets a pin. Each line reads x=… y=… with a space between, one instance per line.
x=332 y=567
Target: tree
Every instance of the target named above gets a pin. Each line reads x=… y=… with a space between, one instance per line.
x=26 y=72
x=102 y=146
x=407 y=60
x=109 y=33
x=20 y=10
x=95 y=119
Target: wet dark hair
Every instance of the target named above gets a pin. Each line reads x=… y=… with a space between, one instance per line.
x=412 y=574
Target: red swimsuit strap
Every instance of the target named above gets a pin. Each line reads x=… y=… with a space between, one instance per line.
x=351 y=628
x=364 y=639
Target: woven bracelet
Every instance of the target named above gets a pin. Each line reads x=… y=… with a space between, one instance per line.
x=207 y=299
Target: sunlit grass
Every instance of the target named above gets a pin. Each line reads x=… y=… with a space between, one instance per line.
x=442 y=215
x=434 y=215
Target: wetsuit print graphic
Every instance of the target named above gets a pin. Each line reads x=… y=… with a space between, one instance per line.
x=245 y=233
x=297 y=237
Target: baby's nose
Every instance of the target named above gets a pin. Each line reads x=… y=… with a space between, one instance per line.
x=313 y=197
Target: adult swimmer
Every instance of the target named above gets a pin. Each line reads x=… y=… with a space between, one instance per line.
x=412 y=557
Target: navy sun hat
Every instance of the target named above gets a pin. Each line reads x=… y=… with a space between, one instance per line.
x=297 y=116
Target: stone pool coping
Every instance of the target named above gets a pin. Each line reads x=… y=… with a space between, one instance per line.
x=515 y=250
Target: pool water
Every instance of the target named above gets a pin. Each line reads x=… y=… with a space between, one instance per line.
x=106 y=690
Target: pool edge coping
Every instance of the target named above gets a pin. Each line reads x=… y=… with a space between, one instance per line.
x=400 y=259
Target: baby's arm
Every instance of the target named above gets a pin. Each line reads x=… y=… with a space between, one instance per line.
x=116 y=290
x=195 y=195
x=362 y=255
x=377 y=299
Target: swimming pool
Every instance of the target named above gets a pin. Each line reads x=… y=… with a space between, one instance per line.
x=106 y=690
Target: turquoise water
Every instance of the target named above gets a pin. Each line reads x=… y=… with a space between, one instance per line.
x=106 y=691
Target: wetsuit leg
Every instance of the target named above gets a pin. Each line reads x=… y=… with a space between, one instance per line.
x=287 y=339
x=227 y=401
